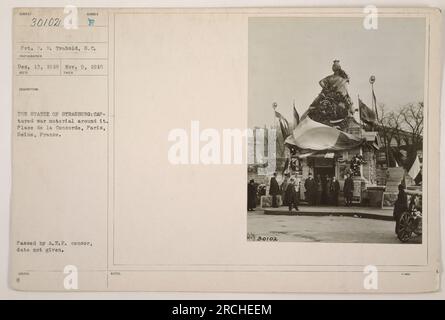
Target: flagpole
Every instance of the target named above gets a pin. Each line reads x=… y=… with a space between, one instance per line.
x=274 y=107
x=360 y=116
x=374 y=100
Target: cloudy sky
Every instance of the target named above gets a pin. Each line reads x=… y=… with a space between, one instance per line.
x=288 y=56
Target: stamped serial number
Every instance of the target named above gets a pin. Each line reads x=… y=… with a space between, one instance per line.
x=46 y=22
x=267 y=238
x=254 y=237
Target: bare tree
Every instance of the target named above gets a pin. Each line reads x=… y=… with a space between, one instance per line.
x=412 y=122
x=394 y=123
x=407 y=120
x=412 y=115
x=390 y=126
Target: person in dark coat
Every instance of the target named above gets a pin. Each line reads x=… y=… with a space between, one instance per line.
x=400 y=206
x=283 y=188
x=251 y=195
x=319 y=188
x=311 y=190
x=274 y=190
x=292 y=195
x=348 y=190
x=334 y=189
x=325 y=189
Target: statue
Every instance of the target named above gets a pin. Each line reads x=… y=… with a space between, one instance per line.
x=333 y=104
x=325 y=126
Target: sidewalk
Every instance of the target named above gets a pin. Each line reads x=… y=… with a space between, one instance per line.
x=341 y=211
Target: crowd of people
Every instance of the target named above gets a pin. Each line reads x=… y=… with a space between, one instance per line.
x=321 y=190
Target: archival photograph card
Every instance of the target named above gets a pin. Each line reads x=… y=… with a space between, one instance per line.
x=225 y=150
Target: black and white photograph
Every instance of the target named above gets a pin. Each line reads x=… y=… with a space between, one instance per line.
x=133 y=132
x=336 y=111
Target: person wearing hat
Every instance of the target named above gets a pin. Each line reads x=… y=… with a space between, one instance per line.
x=274 y=190
x=311 y=190
x=251 y=195
x=400 y=206
x=292 y=194
x=334 y=189
x=348 y=190
x=283 y=188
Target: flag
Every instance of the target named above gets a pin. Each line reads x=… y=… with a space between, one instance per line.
x=366 y=114
x=315 y=136
x=285 y=166
x=296 y=116
x=415 y=168
x=284 y=125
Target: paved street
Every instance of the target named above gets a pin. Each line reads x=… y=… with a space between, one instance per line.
x=322 y=228
x=366 y=212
